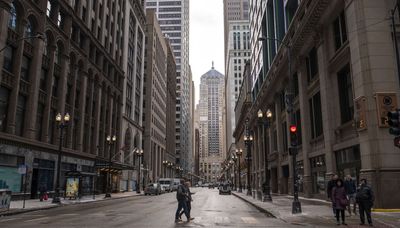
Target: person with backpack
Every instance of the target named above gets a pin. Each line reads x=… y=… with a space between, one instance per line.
x=339 y=201
x=351 y=189
x=181 y=196
x=365 y=200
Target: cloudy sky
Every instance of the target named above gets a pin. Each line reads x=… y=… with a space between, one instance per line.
x=206 y=38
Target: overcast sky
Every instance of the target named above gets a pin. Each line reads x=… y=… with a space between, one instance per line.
x=206 y=38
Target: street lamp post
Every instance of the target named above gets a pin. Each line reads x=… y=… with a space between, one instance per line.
x=165 y=163
x=265 y=122
x=139 y=154
x=169 y=169
x=234 y=159
x=62 y=123
x=296 y=205
x=110 y=141
x=248 y=141
x=239 y=153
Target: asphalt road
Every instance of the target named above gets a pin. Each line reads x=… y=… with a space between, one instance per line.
x=208 y=208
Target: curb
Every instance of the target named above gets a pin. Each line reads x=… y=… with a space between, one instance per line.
x=22 y=211
x=385 y=210
x=263 y=210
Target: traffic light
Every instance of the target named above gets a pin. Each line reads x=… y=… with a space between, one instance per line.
x=394 y=122
x=293 y=135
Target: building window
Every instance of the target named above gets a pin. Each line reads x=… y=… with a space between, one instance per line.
x=8 y=58
x=339 y=30
x=312 y=65
x=284 y=136
x=4 y=96
x=298 y=125
x=43 y=79
x=25 y=65
x=296 y=85
x=345 y=94
x=48 y=11
x=20 y=115
x=12 y=23
x=291 y=7
x=39 y=121
x=29 y=30
x=316 y=115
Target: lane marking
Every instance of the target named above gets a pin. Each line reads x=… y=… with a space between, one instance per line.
x=249 y=220
x=36 y=219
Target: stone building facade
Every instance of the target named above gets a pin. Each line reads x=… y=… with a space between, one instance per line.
x=345 y=77
x=74 y=66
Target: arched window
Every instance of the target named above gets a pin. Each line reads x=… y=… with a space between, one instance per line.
x=48 y=8
x=29 y=30
x=12 y=23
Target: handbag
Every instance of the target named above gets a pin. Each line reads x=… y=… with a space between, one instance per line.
x=344 y=201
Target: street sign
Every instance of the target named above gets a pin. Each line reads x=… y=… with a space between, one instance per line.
x=22 y=169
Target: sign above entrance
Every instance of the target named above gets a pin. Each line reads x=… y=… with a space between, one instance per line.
x=22 y=169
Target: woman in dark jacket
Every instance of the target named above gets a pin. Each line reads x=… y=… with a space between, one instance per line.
x=339 y=200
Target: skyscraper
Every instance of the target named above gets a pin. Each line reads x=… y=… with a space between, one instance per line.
x=210 y=123
x=173 y=16
x=237 y=52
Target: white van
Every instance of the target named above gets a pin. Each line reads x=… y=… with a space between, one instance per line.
x=166 y=184
x=175 y=184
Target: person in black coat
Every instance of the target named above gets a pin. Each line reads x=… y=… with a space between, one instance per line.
x=351 y=190
x=339 y=201
x=365 y=199
x=331 y=185
x=42 y=191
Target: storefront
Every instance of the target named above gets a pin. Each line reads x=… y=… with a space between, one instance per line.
x=43 y=172
x=318 y=171
x=348 y=162
x=10 y=179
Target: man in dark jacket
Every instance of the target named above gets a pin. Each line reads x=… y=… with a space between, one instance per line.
x=331 y=185
x=351 y=189
x=181 y=196
x=365 y=199
x=188 y=201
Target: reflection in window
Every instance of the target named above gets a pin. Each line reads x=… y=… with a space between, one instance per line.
x=12 y=23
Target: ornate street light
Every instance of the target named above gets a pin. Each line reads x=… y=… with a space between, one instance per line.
x=62 y=123
x=139 y=154
x=110 y=141
x=248 y=141
x=165 y=164
x=265 y=124
x=239 y=153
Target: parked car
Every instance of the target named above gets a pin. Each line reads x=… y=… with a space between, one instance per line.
x=225 y=188
x=153 y=189
x=166 y=184
x=205 y=185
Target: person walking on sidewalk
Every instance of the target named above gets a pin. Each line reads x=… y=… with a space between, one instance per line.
x=339 y=201
x=365 y=199
x=331 y=185
x=188 y=201
x=351 y=189
x=42 y=192
x=181 y=196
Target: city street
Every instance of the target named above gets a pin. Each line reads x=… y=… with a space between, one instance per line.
x=208 y=208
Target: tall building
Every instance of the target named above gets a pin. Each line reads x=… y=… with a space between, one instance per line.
x=171 y=108
x=238 y=54
x=234 y=10
x=77 y=69
x=210 y=124
x=345 y=81
x=173 y=16
x=155 y=102
x=132 y=111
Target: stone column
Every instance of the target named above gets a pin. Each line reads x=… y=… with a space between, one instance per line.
x=305 y=127
x=5 y=7
x=16 y=70
x=279 y=140
x=82 y=104
x=34 y=80
x=47 y=119
x=97 y=96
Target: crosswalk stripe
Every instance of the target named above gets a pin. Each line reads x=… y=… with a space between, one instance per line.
x=249 y=220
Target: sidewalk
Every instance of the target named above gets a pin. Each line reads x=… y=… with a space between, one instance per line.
x=16 y=207
x=316 y=213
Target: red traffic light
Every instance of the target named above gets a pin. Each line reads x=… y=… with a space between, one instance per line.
x=293 y=128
